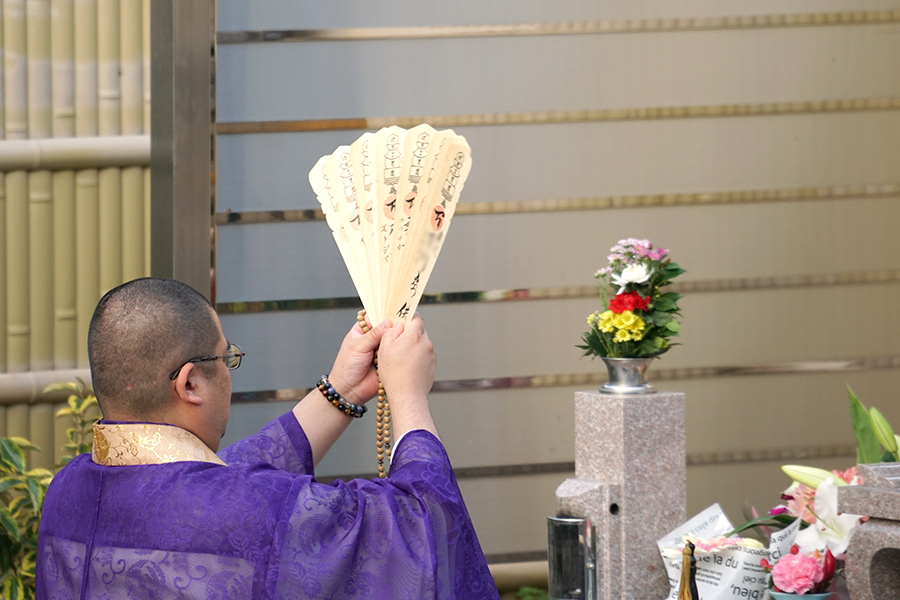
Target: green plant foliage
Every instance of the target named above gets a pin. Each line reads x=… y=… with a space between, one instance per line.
x=21 y=499
x=80 y=402
x=22 y=492
x=531 y=593
x=872 y=432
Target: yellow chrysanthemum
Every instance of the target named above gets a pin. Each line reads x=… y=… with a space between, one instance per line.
x=607 y=322
x=625 y=320
x=621 y=336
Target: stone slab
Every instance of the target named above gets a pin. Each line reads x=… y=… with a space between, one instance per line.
x=870 y=501
x=873 y=561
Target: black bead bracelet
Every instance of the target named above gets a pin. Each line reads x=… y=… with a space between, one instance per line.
x=348 y=408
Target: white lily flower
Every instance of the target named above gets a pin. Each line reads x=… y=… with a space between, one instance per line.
x=636 y=273
x=831 y=529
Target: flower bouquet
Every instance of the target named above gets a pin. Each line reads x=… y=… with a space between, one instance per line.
x=638 y=318
x=821 y=534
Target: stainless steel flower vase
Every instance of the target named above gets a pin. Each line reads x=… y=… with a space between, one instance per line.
x=627 y=376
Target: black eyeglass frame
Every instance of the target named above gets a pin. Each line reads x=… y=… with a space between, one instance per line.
x=232 y=360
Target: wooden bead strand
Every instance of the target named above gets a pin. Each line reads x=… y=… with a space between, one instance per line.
x=382 y=412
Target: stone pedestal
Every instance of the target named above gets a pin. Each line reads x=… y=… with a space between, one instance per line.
x=630 y=484
x=873 y=557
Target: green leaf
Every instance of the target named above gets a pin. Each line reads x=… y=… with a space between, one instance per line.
x=63 y=387
x=12 y=454
x=8 y=482
x=36 y=494
x=659 y=318
x=671 y=270
x=868 y=450
x=775 y=521
x=888 y=457
x=19 y=505
x=39 y=473
x=76 y=403
x=23 y=443
x=664 y=304
x=673 y=326
x=13 y=589
x=6 y=554
x=28 y=567
x=9 y=523
x=65 y=412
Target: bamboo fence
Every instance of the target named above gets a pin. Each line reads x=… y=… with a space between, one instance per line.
x=74 y=190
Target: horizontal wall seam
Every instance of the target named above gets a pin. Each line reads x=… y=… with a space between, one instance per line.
x=693 y=459
x=657 y=25
x=811 y=367
x=556 y=117
x=75 y=153
x=842 y=192
x=574 y=292
x=28 y=386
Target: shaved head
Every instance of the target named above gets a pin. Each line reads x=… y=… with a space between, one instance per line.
x=141 y=331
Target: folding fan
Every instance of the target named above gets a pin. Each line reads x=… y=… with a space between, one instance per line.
x=389 y=198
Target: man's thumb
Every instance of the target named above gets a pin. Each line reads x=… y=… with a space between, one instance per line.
x=373 y=337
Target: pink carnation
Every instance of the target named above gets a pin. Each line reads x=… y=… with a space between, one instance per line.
x=797 y=573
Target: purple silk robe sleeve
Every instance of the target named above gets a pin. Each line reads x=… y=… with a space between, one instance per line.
x=281 y=444
x=409 y=536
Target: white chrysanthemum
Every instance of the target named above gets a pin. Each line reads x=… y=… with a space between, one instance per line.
x=636 y=273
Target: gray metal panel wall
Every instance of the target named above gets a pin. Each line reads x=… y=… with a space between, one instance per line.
x=760 y=148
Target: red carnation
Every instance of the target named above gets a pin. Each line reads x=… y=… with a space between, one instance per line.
x=630 y=301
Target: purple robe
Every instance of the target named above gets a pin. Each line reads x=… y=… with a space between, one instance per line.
x=261 y=527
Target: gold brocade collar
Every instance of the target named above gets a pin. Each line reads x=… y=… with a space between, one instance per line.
x=119 y=444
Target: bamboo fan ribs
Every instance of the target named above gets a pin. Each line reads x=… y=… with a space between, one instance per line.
x=389 y=198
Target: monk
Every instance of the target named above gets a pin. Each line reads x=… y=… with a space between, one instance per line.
x=155 y=512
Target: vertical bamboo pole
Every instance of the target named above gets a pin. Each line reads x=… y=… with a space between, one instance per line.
x=40 y=207
x=15 y=97
x=87 y=249
x=146 y=46
x=3 y=288
x=109 y=113
x=131 y=45
x=17 y=421
x=62 y=51
x=59 y=433
x=41 y=433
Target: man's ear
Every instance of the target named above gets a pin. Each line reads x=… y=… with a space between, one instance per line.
x=187 y=384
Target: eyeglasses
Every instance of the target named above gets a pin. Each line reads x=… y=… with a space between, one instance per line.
x=232 y=359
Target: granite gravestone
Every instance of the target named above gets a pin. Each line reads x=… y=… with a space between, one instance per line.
x=630 y=485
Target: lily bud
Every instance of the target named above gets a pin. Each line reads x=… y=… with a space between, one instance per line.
x=883 y=432
x=811 y=476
